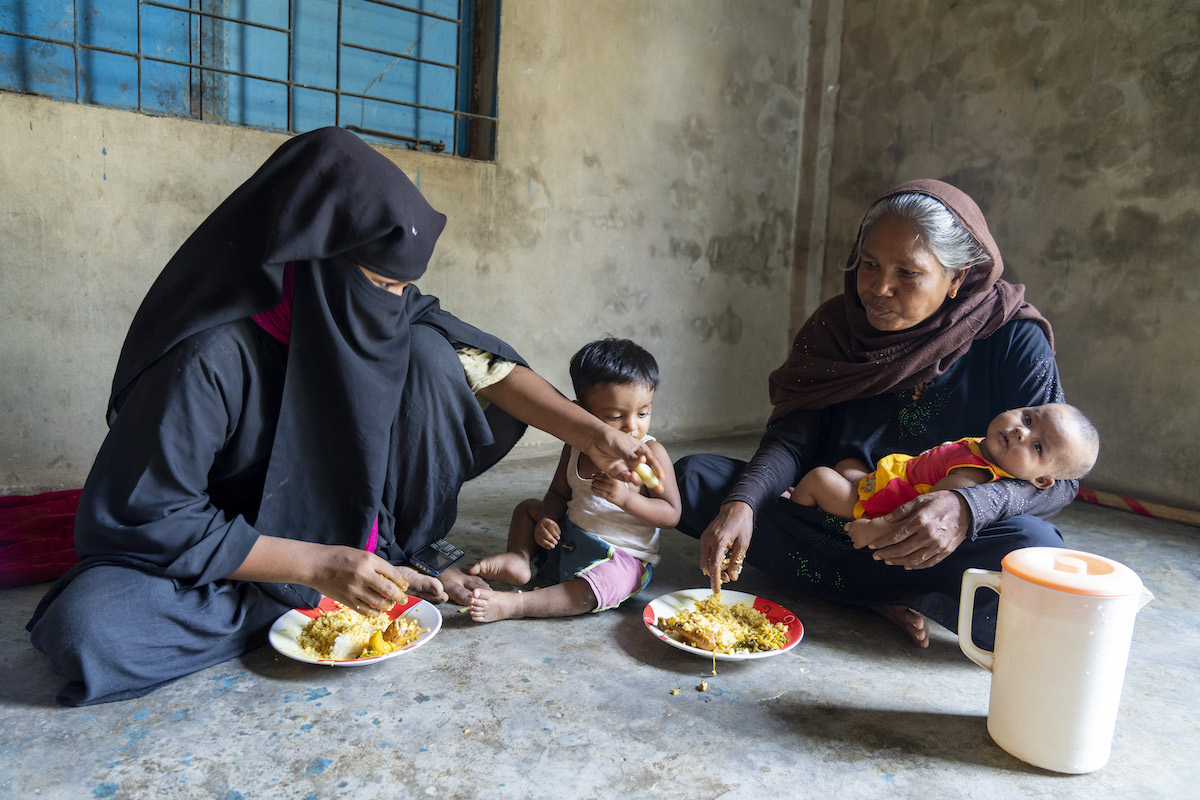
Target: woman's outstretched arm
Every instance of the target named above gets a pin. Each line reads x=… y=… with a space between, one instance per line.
x=530 y=398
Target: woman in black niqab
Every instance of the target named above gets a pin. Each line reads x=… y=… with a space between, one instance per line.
x=275 y=417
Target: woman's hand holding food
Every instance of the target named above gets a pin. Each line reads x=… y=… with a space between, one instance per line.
x=367 y=583
x=724 y=543
x=617 y=454
x=530 y=398
x=918 y=534
x=355 y=578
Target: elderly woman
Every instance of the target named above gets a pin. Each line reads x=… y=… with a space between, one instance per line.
x=926 y=344
x=290 y=417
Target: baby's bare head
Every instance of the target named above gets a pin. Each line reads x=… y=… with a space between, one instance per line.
x=1082 y=444
x=1042 y=444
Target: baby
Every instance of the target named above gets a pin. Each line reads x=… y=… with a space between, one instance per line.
x=592 y=539
x=1040 y=444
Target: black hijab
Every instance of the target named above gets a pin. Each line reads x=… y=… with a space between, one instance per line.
x=326 y=202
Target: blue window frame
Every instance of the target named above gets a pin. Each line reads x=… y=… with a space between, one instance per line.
x=422 y=73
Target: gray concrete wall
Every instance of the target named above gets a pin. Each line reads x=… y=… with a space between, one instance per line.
x=665 y=173
x=1074 y=125
x=645 y=187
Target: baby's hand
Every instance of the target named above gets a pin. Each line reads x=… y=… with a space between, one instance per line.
x=547 y=533
x=860 y=531
x=613 y=490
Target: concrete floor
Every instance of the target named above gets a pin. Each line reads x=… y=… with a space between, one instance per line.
x=583 y=707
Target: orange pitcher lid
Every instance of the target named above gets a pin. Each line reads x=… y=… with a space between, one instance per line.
x=1072 y=571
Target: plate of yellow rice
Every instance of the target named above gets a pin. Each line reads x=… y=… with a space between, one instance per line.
x=729 y=626
x=333 y=635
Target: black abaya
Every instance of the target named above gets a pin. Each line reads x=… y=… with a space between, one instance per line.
x=220 y=434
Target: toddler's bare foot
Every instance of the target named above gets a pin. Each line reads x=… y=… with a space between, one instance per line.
x=909 y=621
x=512 y=568
x=488 y=605
x=459 y=585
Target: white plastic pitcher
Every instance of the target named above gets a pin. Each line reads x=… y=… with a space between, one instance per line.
x=1062 y=642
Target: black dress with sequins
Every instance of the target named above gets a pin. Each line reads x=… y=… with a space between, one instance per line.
x=1013 y=368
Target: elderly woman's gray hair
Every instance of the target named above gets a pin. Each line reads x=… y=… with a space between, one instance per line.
x=939 y=231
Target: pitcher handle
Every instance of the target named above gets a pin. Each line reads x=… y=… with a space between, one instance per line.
x=972 y=580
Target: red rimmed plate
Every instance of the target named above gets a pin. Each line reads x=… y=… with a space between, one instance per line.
x=284 y=634
x=668 y=605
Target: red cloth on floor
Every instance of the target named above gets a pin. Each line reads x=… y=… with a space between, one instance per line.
x=37 y=537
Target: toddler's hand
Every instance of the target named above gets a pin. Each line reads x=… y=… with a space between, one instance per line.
x=611 y=489
x=547 y=533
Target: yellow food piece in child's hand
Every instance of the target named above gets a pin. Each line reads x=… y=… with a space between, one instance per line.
x=647 y=475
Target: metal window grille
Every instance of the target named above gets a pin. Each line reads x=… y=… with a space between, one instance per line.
x=423 y=75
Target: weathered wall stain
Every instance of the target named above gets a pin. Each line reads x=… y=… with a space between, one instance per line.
x=1146 y=252
x=689 y=251
x=726 y=326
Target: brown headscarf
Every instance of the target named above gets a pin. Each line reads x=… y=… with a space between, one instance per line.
x=838 y=355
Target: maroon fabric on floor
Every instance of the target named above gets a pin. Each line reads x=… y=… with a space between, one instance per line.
x=37 y=537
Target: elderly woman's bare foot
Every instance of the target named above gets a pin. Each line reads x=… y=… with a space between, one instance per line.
x=512 y=568
x=459 y=585
x=488 y=605
x=909 y=621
